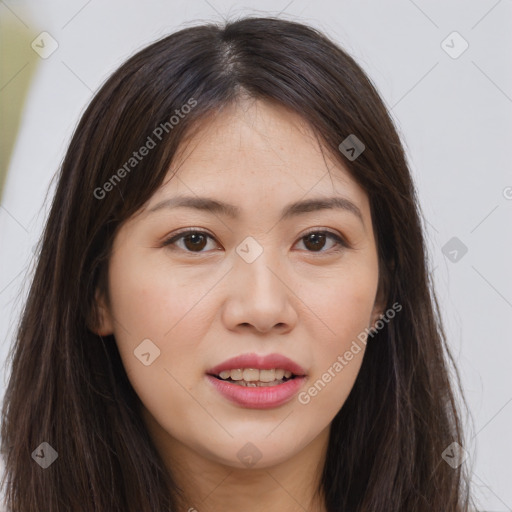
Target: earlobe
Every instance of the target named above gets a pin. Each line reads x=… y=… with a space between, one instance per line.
x=101 y=321
x=377 y=314
x=378 y=306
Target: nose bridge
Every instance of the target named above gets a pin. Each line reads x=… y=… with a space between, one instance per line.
x=257 y=266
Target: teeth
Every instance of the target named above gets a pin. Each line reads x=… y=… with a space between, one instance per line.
x=280 y=374
x=257 y=384
x=253 y=375
x=236 y=374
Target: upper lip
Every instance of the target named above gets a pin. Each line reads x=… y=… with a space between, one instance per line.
x=260 y=362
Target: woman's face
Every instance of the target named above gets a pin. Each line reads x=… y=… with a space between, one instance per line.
x=250 y=282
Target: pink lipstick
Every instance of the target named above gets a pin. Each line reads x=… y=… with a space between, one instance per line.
x=257 y=382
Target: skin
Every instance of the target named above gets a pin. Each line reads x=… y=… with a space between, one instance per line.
x=306 y=301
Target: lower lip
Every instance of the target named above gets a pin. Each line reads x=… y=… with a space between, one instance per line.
x=261 y=397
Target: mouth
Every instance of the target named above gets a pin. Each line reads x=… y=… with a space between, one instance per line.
x=257 y=382
x=254 y=377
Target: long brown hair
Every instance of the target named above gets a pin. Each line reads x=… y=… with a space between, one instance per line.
x=67 y=385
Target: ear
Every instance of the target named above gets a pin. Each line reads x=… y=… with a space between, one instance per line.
x=101 y=320
x=379 y=304
x=386 y=273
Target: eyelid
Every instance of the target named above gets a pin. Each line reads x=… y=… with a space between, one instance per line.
x=183 y=232
x=337 y=236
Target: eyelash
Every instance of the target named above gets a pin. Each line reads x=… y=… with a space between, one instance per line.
x=340 y=242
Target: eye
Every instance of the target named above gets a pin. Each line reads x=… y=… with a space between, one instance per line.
x=314 y=241
x=193 y=240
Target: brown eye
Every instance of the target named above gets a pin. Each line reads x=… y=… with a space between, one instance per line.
x=315 y=241
x=196 y=241
x=193 y=241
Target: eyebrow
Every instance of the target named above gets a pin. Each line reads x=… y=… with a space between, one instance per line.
x=300 y=207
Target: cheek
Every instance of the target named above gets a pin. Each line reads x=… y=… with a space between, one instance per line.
x=347 y=312
x=154 y=300
x=167 y=306
x=344 y=307
x=344 y=301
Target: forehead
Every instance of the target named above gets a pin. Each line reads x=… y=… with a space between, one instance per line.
x=257 y=150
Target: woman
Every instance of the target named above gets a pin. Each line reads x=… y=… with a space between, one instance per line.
x=231 y=307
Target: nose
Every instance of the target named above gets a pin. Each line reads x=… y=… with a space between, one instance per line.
x=258 y=297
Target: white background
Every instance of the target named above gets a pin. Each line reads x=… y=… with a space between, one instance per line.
x=454 y=115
